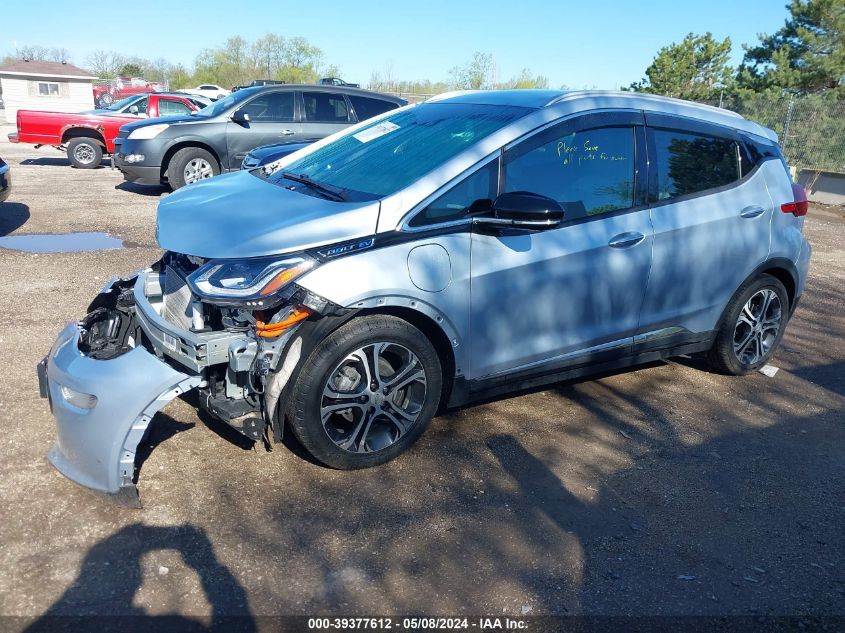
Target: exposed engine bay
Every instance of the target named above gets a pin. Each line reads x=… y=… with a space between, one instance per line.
x=236 y=349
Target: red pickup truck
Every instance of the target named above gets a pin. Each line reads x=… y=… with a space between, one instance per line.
x=86 y=136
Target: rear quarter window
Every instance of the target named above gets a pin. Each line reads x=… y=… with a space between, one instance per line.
x=366 y=107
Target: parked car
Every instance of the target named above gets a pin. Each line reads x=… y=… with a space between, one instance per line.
x=455 y=250
x=217 y=138
x=336 y=81
x=5 y=180
x=267 y=154
x=86 y=136
x=107 y=92
x=255 y=83
x=210 y=91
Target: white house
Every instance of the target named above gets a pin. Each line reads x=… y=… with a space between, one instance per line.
x=39 y=85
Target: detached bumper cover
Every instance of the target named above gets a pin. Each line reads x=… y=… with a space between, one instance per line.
x=96 y=447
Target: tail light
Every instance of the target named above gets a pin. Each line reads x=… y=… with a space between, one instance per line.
x=800 y=204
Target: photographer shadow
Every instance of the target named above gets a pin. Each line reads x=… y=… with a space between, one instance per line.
x=111 y=574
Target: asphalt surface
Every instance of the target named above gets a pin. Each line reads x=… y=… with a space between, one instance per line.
x=665 y=490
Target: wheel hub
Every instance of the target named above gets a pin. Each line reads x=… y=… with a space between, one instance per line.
x=373 y=397
x=757 y=327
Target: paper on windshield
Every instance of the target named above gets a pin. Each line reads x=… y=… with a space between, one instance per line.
x=365 y=136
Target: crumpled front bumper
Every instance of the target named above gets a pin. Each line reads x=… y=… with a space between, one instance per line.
x=96 y=447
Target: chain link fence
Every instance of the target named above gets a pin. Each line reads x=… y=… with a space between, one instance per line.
x=811 y=129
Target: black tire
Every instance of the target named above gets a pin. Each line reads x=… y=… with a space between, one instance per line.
x=304 y=405
x=84 y=152
x=105 y=100
x=180 y=161
x=736 y=326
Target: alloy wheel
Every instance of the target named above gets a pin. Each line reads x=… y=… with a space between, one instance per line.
x=84 y=153
x=197 y=169
x=373 y=397
x=757 y=327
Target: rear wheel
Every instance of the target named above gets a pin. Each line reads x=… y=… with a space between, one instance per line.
x=84 y=152
x=753 y=327
x=366 y=393
x=105 y=100
x=190 y=165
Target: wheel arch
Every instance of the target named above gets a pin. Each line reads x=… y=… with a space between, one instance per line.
x=182 y=144
x=83 y=131
x=780 y=268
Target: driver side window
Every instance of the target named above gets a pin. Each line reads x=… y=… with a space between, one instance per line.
x=454 y=204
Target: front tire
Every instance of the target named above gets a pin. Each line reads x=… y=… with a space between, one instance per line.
x=366 y=393
x=84 y=153
x=752 y=327
x=190 y=165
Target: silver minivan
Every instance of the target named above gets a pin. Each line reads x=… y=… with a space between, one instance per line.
x=475 y=244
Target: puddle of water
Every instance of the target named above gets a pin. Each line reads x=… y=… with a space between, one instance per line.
x=61 y=243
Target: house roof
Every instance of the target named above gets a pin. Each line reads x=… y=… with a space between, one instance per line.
x=45 y=69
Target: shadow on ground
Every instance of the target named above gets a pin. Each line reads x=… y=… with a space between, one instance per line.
x=143 y=190
x=49 y=161
x=13 y=215
x=111 y=575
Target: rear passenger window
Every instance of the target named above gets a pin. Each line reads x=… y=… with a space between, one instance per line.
x=688 y=163
x=589 y=172
x=365 y=107
x=325 y=107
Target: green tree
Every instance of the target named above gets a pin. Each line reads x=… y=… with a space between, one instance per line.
x=525 y=79
x=131 y=69
x=476 y=74
x=806 y=56
x=696 y=69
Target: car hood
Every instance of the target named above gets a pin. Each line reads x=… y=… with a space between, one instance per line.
x=239 y=215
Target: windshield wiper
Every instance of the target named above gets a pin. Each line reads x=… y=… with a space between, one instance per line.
x=330 y=192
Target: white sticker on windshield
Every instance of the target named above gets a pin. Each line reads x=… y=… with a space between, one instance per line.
x=365 y=136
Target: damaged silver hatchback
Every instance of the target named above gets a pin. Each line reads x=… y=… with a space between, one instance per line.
x=477 y=243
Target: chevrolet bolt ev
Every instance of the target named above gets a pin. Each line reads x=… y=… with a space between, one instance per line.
x=440 y=253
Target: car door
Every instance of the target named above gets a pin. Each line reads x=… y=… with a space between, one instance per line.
x=711 y=227
x=272 y=119
x=323 y=113
x=570 y=295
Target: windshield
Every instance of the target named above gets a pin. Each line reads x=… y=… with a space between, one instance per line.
x=117 y=105
x=382 y=158
x=219 y=107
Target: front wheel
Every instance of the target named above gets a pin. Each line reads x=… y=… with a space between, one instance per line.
x=366 y=393
x=753 y=327
x=84 y=153
x=190 y=165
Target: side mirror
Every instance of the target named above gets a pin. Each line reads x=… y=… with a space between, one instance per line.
x=523 y=210
x=133 y=109
x=239 y=116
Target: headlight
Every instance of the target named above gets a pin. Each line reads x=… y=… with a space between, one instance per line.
x=249 y=281
x=148 y=131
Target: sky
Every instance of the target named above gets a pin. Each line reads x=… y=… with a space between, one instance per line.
x=585 y=44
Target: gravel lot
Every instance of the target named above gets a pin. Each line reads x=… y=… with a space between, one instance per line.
x=665 y=490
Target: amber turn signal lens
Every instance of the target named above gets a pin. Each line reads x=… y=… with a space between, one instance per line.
x=284 y=277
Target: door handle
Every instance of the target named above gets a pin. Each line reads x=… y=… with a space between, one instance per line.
x=287 y=133
x=752 y=212
x=626 y=240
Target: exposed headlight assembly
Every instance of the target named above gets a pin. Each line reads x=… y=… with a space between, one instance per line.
x=148 y=131
x=254 y=282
